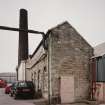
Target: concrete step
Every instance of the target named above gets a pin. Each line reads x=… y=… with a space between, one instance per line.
x=82 y=102
x=41 y=101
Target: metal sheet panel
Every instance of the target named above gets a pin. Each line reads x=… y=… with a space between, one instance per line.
x=100 y=71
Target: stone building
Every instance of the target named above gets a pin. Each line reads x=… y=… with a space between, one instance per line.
x=61 y=71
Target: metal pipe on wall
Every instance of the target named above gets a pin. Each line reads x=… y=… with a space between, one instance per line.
x=49 y=71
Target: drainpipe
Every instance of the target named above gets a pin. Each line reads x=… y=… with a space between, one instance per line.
x=49 y=70
x=93 y=69
x=25 y=70
x=17 y=73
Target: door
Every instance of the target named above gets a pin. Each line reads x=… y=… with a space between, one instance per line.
x=67 y=89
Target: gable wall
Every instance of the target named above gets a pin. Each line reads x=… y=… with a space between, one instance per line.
x=70 y=55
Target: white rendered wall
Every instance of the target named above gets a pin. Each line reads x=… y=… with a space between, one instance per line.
x=21 y=71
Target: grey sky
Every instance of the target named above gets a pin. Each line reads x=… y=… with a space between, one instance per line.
x=86 y=16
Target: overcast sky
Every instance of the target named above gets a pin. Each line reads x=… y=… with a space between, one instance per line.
x=86 y=16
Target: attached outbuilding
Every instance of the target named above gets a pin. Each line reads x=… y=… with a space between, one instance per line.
x=98 y=73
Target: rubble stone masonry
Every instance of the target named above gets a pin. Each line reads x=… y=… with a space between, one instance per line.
x=69 y=56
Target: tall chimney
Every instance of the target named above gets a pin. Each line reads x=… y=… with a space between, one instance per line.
x=23 y=36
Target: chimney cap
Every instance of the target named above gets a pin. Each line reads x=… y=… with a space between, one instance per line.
x=23 y=10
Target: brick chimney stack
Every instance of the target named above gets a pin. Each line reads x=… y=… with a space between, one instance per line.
x=23 y=36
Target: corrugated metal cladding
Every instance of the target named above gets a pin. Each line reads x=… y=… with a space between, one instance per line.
x=100 y=69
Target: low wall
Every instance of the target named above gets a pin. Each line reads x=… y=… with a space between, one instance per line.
x=100 y=92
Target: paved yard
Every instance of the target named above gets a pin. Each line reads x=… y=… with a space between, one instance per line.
x=7 y=100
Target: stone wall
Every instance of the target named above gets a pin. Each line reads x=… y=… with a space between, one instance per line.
x=21 y=70
x=37 y=71
x=70 y=55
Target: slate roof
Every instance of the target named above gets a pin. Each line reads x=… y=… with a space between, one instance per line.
x=99 y=50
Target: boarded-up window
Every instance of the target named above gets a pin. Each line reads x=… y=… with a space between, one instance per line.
x=39 y=79
x=44 y=71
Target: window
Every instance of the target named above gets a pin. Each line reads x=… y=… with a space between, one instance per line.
x=32 y=76
x=38 y=79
